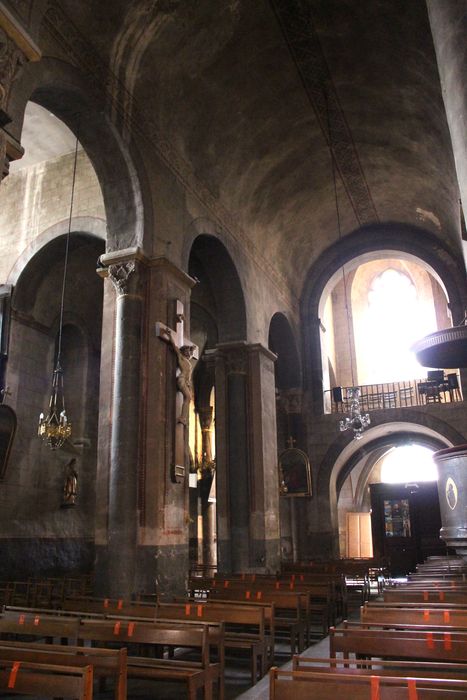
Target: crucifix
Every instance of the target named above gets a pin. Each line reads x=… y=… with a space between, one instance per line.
x=291 y=442
x=187 y=355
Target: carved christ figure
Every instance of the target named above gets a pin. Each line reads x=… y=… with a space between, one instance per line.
x=185 y=370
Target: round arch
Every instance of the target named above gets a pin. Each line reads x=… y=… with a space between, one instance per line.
x=85 y=226
x=282 y=343
x=218 y=286
x=61 y=89
x=362 y=245
x=344 y=452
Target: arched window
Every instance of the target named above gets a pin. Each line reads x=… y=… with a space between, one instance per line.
x=395 y=317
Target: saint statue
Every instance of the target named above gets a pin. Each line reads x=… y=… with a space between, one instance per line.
x=70 y=487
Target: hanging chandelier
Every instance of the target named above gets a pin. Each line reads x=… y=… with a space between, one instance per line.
x=356 y=421
x=54 y=427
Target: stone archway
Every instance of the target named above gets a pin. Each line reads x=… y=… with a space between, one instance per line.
x=34 y=510
x=344 y=453
x=364 y=244
x=61 y=89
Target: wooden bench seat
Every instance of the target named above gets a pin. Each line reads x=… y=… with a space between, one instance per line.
x=46 y=680
x=291 y=609
x=298 y=685
x=322 y=604
x=413 y=668
x=245 y=628
x=106 y=663
x=414 y=616
x=201 y=673
x=109 y=606
x=40 y=627
x=400 y=644
x=424 y=595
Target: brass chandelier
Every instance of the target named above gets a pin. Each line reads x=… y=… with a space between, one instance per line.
x=54 y=427
x=356 y=420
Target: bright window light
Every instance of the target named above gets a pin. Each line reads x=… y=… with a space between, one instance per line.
x=394 y=320
x=410 y=463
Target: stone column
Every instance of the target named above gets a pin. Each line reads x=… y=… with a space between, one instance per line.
x=264 y=500
x=16 y=48
x=208 y=509
x=163 y=533
x=232 y=457
x=246 y=459
x=116 y=563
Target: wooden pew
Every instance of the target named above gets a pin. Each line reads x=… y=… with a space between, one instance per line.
x=236 y=618
x=416 y=669
x=400 y=644
x=299 y=685
x=321 y=604
x=109 y=606
x=424 y=595
x=40 y=627
x=46 y=680
x=106 y=663
x=201 y=673
x=414 y=616
x=291 y=610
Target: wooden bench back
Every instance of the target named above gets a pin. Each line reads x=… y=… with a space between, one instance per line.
x=296 y=685
x=401 y=644
x=46 y=680
x=109 y=606
x=413 y=616
x=424 y=595
x=105 y=662
x=232 y=615
x=39 y=626
x=129 y=632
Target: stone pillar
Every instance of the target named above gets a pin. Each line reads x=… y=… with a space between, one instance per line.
x=208 y=509
x=264 y=479
x=246 y=459
x=448 y=27
x=163 y=533
x=117 y=562
x=16 y=48
x=291 y=404
x=232 y=455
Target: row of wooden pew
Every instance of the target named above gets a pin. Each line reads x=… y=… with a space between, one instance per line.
x=411 y=643
x=67 y=649
x=46 y=592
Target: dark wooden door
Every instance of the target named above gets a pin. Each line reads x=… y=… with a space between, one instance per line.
x=405 y=524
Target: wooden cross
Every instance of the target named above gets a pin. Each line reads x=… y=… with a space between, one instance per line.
x=290 y=442
x=178 y=341
x=179 y=333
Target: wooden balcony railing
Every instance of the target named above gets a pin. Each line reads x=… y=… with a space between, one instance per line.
x=436 y=388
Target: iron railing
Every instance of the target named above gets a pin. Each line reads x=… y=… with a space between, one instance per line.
x=403 y=394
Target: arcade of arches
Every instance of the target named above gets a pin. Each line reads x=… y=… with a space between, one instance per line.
x=291 y=210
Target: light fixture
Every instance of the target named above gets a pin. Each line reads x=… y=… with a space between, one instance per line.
x=356 y=420
x=54 y=428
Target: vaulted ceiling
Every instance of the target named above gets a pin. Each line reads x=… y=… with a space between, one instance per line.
x=251 y=93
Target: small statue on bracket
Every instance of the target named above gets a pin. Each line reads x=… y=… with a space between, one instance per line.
x=70 y=486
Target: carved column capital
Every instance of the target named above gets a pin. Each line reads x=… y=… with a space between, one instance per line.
x=120 y=273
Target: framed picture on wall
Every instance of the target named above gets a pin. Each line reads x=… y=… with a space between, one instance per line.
x=294 y=473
